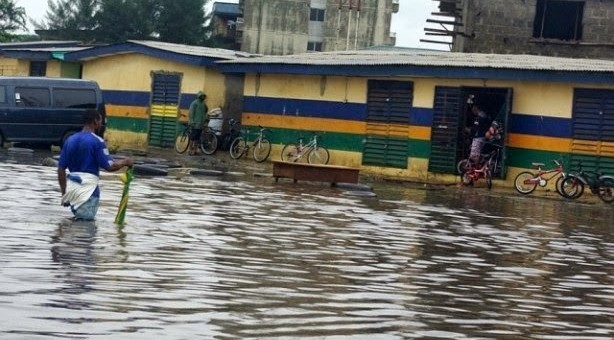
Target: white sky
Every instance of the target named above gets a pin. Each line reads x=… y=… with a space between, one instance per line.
x=408 y=24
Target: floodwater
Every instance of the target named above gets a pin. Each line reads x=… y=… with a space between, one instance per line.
x=235 y=257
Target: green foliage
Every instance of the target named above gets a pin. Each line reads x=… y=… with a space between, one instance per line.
x=181 y=21
x=109 y=21
x=120 y=20
x=12 y=18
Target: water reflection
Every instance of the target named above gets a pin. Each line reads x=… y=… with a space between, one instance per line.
x=225 y=258
x=72 y=249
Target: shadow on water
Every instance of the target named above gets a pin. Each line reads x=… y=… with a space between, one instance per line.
x=236 y=258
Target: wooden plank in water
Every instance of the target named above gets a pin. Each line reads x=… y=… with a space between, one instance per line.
x=316 y=173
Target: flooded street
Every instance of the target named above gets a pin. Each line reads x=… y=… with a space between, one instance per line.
x=238 y=257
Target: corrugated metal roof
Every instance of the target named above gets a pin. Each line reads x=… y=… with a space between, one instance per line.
x=192 y=55
x=56 y=43
x=198 y=51
x=45 y=49
x=433 y=59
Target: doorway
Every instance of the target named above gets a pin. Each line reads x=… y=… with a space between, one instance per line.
x=453 y=121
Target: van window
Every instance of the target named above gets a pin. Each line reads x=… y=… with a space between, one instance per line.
x=32 y=97
x=74 y=98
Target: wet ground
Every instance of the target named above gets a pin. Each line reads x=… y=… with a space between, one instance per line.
x=238 y=256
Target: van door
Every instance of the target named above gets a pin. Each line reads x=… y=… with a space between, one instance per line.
x=4 y=113
x=69 y=105
x=31 y=117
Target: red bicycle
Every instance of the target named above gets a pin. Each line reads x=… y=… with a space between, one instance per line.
x=488 y=164
x=526 y=182
x=473 y=173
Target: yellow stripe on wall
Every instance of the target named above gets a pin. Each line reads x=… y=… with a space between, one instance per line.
x=593 y=147
x=552 y=144
x=334 y=125
x=304 y=123
x=127 y=111
x=167 y=111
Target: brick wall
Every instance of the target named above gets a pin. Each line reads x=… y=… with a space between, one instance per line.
x=506 y=26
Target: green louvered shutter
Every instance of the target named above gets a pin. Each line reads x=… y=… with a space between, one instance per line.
x=388 y=113
x=593 y=130
x=164 y=107
x=445 y=129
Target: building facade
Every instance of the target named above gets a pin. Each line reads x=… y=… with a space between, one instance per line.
x=148 y=87
x=282 y=27
x=413 y=125
x=569 y=28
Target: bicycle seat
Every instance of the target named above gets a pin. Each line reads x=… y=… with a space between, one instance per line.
x=538 y=164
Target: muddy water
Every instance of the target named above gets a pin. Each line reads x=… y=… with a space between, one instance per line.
x=238 y=258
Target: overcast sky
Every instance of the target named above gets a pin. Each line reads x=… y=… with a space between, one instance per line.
x=408 y=24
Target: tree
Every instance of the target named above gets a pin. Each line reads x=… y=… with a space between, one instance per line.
x=69 y=19
x=120 y=20
x=182 y=21
x=12 y=18
x=111 y=21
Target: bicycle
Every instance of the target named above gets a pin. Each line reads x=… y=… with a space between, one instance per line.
x=316 y=153
x=485 y=168
x=599 y=184
x=526 y=182
x=207 y=144
x=465 y=164
x=261 y=146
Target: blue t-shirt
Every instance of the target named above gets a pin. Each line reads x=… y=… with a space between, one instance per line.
x=85 y=152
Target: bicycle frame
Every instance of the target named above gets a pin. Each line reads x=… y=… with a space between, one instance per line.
x=303 y=149
x=559 y=170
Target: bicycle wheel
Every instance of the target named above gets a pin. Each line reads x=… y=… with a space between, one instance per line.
x=559 y=185
x=318 y=155
x=606 y=190
x=238 y=147
x=182 y=143
x=208 y=143
x=572 y=187
x=488 y=178
x=525 y=183
x=290 y=153
x=467 y=178
x=262 y=150
x=462 y=166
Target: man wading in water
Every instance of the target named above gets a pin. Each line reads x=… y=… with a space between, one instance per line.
x=83 y=154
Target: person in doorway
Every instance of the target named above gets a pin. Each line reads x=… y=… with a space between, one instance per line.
x=481 y=124
x=493 y=133
x=492 y=137
x=83 y=155
x=196 y=119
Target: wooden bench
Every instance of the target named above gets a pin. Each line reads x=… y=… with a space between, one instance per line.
x=317 y=173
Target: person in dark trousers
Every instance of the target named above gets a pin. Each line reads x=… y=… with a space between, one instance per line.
x=83 y=155
x=196 y=119
x=481 y=124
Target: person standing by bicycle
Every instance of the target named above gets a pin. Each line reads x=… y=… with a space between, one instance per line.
x=481 y=125
x=196 y=119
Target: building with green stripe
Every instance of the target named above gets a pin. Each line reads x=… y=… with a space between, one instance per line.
x=405 y=113
x=395 y=113
x=148 y=87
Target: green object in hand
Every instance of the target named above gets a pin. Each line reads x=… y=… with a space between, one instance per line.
x=126 y=178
